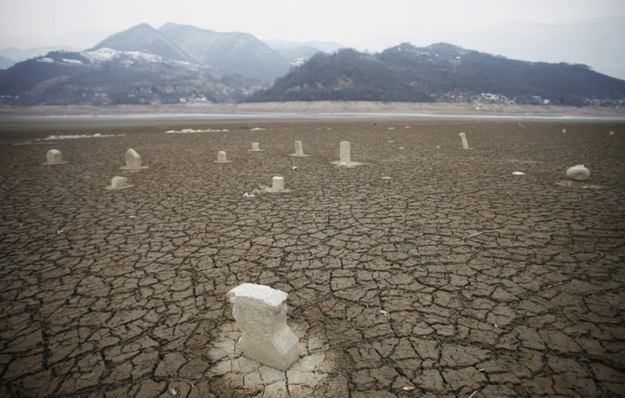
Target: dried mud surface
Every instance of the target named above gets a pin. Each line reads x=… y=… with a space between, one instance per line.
x=453 y=279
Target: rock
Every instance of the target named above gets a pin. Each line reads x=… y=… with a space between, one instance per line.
x=578 y=173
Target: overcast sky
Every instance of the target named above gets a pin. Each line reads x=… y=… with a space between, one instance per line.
x=583 y=31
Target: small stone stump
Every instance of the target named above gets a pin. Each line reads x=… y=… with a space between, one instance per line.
x=54 y=157
x=611 y=133
x=465 y=143
x=563 y=131
x=299 y=150
x=222 y=158
x=118 y=183
x=277 y=184
x=133 y=161
x=260 y=313
x=256 y=147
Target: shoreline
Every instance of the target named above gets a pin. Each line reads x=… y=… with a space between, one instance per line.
x=314 y=110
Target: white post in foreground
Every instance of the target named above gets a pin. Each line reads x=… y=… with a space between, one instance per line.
x=563 y=131
x=277 y=184
x=299 y=150
x=346 y=157
x=255 y=146
x=221 y=157
x=54 y=157
x=465 y=143
x=611 y=133
x=133 y=160
x=260 y=313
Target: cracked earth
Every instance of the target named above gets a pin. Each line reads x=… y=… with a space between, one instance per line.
x=454 y=278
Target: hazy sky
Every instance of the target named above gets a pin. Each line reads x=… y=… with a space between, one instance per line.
x=528 y=29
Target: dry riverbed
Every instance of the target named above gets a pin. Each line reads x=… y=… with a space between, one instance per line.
x=453 y=278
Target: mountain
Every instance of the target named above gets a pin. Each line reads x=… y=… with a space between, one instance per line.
x=233 y=52
x=107 y=76
x=344 y=76
x=145 y=39
x=5 y=63
x=441 y=72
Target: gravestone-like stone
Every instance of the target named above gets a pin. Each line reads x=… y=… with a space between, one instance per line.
x=345 y=159
x=260 y=314
x=118 y=183
x=578 y=173
x=563 y=131
x=299 y=150
x=345 y=153
x=54 y=157
x=222 y=157
x=133 y=161
x=465 y=143
x=277 y=184
x=611 y=133
x=256 y=147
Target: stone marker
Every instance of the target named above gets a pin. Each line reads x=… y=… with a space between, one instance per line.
x=563 y=131
x=118 y=183
x=54 y=157
x=277 y=184
x=133 y=161
x=611 y=133
x=299 y=150
x=222 y=158
x=256 y=147
x=260 y=313
x=346 y=156
x=578 y=173
x=345 y=159
x=465 y=143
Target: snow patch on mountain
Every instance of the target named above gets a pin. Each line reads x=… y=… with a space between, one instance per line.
x=71 y=61
x=299 y=61
x=107 y=54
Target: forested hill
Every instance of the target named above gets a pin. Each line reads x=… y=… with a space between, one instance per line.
x=437 y=73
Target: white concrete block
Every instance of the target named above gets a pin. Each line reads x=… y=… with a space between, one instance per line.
x=260 y=313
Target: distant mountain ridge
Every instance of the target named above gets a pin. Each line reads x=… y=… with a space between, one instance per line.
x=145 y=39
x=440 y=72
x=105 y=76
x=179 y=63
x=239 y=53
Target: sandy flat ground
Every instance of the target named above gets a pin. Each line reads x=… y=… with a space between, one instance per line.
x=454 y=277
